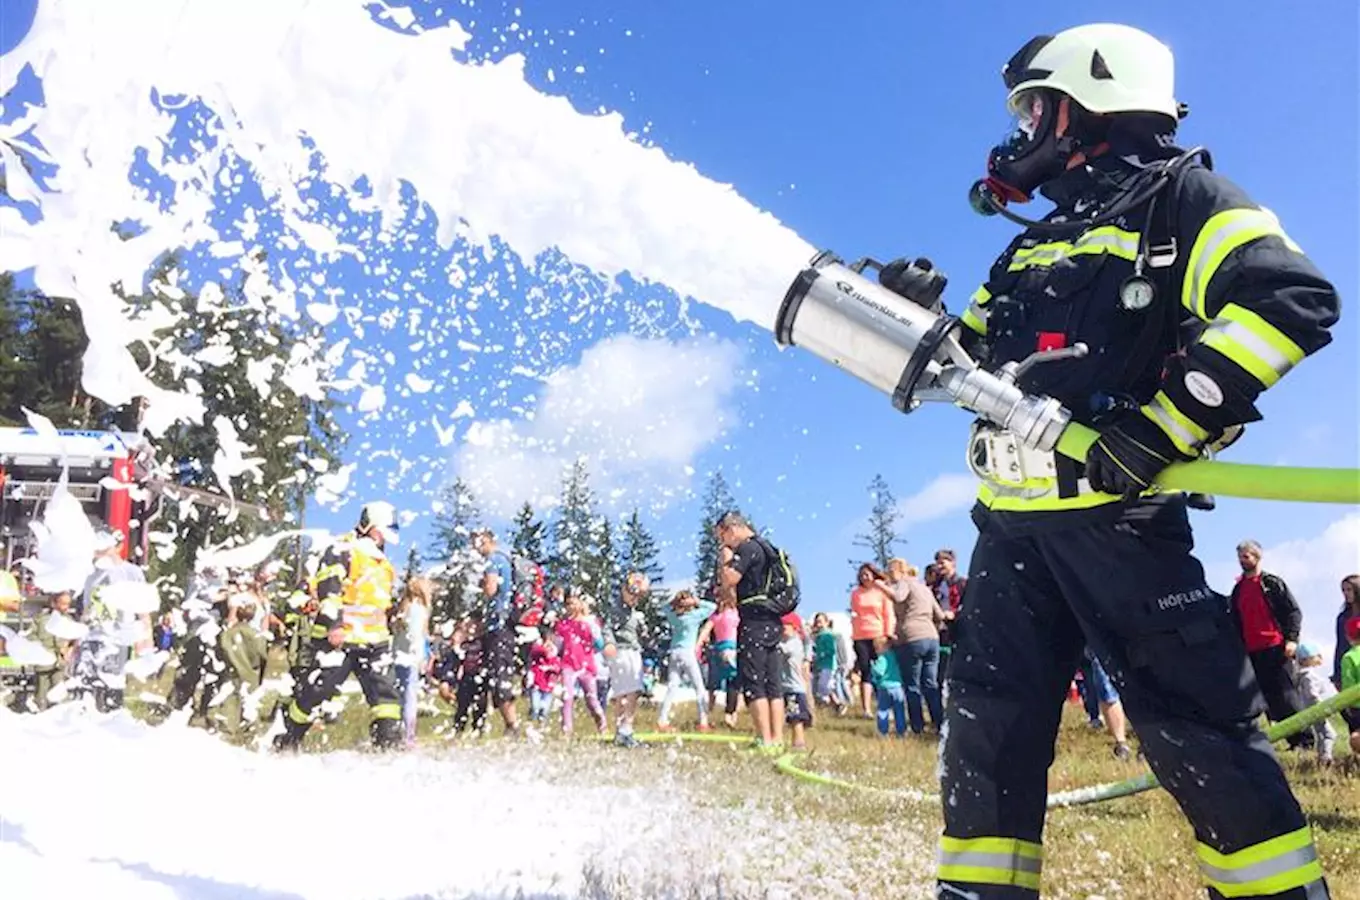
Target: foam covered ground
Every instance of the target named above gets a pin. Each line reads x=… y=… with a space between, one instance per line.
x=107 y=806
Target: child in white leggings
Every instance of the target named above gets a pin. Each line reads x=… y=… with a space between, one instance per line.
x=686 y=613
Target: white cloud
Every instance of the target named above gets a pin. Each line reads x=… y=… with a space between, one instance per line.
x=1313 y=568
x=638 y=410
x=943 y=496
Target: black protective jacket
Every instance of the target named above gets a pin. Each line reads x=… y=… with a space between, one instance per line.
x=1238 y=305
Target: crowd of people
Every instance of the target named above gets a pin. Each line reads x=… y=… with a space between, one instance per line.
x=559 y=647
x=900 y=645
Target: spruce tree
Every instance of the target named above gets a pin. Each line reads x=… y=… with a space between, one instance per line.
x=412 y=565
x=717 y=500
x=293 y=438
x=457 y=517
x=42 y=342
x=882 y=536
x=526 y=536
x=638 y=552
x=600 y=576
x=573 y=528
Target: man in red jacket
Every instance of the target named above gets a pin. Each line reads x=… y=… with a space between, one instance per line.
x=1270 y=621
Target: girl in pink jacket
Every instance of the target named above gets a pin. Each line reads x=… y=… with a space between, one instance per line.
x=577 y=642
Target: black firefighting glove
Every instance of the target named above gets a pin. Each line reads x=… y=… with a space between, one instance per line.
x=917 y=279
x=1129 y=455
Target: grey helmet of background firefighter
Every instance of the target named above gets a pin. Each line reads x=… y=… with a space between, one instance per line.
x=1062 y=91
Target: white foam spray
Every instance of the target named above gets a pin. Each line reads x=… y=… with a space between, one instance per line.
x=490 y=153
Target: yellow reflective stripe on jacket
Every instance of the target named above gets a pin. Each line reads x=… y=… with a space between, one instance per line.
x=386 y=711
x=1005 y=499
x=975 y=316
x=1107 y=239
x=334 y=570
x=1221 y=235
x=1272 y=867
x=1184 y=432
x=297 y=715
x=1252 y=343
x=990 y=860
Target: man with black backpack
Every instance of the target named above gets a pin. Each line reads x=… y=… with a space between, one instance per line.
x=766 y=587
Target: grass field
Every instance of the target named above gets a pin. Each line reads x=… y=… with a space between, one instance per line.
x=1132 y=848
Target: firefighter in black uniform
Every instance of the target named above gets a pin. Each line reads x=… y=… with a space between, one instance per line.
x=1191 y=300
x=354 y=591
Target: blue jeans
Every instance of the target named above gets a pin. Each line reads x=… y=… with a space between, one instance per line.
x=408 y=685
x=890 y=699
x=540 y=705
x=920 y=665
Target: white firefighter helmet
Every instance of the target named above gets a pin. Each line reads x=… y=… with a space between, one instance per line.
x=380 y=516
x=1106 y=68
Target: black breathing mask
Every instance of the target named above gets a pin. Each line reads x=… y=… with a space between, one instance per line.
x=1033 y=152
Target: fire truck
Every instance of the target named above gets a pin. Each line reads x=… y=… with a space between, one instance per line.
x=111 y=473
x=101 y=469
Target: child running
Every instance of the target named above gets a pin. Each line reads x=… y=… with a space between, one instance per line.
x=889 y=696
x=794 y=681
x=577 y=638
x=686 y=614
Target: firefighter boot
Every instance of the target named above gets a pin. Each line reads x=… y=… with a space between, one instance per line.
x=386 y=733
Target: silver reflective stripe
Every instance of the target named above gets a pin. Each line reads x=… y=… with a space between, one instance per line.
x=1249 y=340
x=978 y=311
x=1267 y=868
x=1198 y=281
x=1005 y=862
x=1171 y=426
x=1110 y=240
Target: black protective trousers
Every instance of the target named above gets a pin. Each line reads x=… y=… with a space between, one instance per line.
x=371 y=664
x=1135 y=594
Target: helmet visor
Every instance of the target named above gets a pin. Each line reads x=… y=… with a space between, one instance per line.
x=1027 y=109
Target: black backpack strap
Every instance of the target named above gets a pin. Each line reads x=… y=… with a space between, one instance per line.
x=1161 y=257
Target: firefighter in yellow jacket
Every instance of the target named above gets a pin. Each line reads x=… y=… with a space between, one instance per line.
x=354 y=588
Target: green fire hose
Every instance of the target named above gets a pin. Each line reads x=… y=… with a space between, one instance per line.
x=1277 y=732
x=1237 y=479
x=787 y=763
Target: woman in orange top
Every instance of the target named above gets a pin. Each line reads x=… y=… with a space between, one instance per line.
x=871 y=617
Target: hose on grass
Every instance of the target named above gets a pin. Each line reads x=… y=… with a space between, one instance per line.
x=787 y=763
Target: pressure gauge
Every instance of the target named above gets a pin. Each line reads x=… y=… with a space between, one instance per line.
x=1137 y=292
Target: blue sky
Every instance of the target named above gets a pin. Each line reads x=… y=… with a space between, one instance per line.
x=861 y=127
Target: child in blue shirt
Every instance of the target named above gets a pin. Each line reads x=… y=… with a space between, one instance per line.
x=889 y=694
x=685 y=613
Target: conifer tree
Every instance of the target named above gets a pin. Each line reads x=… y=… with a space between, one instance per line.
x=527 y=533
x=717 y=500
x=882 y=537
x=573 y=528
x=456 y=517
x=638 y=552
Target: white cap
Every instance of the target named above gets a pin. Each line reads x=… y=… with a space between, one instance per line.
x=381 y=516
